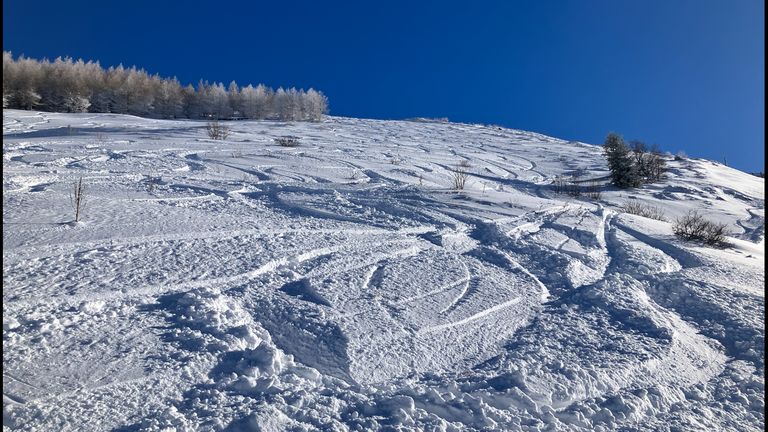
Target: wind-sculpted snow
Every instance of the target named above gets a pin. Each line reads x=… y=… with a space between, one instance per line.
x=343 y=284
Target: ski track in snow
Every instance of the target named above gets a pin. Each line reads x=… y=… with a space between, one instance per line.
x=343 y=285
x=474 y=317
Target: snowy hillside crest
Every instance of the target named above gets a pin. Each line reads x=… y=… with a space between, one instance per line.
x=346 y=283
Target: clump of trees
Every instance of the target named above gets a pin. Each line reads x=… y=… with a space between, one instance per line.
x=65 y=85
x=633 y=164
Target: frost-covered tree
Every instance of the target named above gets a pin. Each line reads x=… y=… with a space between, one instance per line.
x=109 y=98
x=256 y=102
x=102 y=93
x=65 y=85
x=624 y=172
x=21 y=82
x=202 y=100
x=235 y=99
x=282 y=104
x=219 y=100
x=64 y=88
x=8 y=65
x=128 y=91
x=94 y=77
x=203 y=106
x=140 y=89
x=287 y=104
x=168 y=99
x=189 y=102
x=315 y=105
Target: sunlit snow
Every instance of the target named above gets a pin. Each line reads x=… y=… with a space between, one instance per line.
x=343 y=284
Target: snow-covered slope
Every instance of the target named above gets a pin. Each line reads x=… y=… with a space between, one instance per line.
x=343 y=285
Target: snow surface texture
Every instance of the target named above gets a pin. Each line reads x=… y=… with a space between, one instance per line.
x=343 y=285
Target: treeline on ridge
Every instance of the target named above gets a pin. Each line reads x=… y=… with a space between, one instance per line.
x=71 y=86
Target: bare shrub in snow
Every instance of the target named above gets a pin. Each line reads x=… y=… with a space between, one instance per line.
x=573 y=188
x=645 y=210
x=566 y=185
x=559 y=184
x=638 y=149
x=101 y=136
x=694 y=227
x=287 y=141
x=216 y=130
x=592 y=189
x=152 y=180
x=460 y=176
x=652 y=167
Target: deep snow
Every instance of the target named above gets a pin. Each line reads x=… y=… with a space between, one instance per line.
x=343 y=285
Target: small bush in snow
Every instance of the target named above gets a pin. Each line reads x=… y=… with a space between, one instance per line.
x=681 y=156
x=566 y=185
x=559 y=184
x=460 y=176
x=694 y=227
x=569 y=185
x=645 y=210
x=593 y=189
x=101 y=136
x=152 y=180
x=216 y=130
x=286 y=141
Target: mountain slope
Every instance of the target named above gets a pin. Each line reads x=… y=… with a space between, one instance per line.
x=343 y=284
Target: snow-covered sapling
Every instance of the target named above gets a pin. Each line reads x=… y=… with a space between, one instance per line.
x=77 y=199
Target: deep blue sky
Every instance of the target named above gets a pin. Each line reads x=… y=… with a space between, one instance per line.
x=688 y=75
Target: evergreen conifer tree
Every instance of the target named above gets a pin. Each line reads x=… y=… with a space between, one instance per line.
x=624 y=171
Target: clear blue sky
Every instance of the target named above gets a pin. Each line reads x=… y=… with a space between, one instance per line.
x=688 y=75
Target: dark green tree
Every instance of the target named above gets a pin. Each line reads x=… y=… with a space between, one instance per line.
x=624 y=170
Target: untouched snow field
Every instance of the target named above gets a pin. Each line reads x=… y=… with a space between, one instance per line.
x=343 y=285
